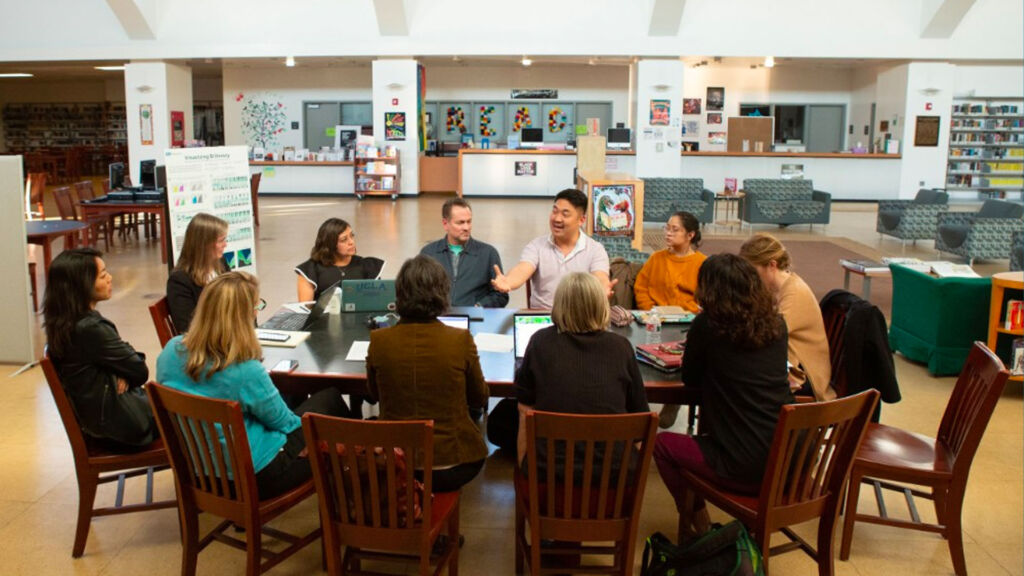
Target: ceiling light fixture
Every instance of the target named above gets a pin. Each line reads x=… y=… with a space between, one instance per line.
x=16 y=75
x=110 y=68
x=289 y=61
x=592 y=62
x=769 y=62
x=527 y=61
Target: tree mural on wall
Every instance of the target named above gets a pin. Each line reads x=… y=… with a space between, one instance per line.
x=263 y=118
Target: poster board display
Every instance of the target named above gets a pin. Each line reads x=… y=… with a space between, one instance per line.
x=752 y=131
x=614 y=210
x=17 y=344
x=215 y=181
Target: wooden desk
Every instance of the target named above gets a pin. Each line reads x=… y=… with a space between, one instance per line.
x=43 y=232
x=1014 y=282
x=322 y=362
x=108 y=208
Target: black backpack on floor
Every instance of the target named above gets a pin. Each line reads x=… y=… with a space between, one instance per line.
x=724 y=551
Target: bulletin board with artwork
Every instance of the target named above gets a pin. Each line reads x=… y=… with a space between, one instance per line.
x=489 y=121
x=559 y=121
x=524 y=115
x=752 y=130
x=454 y=119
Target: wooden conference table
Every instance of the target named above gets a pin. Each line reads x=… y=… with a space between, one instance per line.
x=109 y=208
x=322 y=362
x=44 y=232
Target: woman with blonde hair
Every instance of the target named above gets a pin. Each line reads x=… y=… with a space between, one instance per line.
x=577 y=366
x=201 y=260
x=220 y=357
x=810 y=366
x=333 y=259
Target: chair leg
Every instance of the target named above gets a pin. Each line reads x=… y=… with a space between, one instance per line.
x=453 y=541
x=86 y=499
x=189 y=542
x=852 y=495
x=520 y=533
x=954 y=530
x=826 y=538
x=253 y=544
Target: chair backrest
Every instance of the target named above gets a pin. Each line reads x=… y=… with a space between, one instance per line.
x=254 y=183
x=929 y=196
x=811 y=456
x=85 y=190
x=835 y=332
x=209 y=452
x=363 y=473
x=162 y=321
x=970 y=407
x=602 y=496
x=1000 y=209
x=79 y=448
x=36 y=187
x=65 y=203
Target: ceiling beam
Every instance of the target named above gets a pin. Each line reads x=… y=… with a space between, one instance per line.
x=133 y=17
x=666 y=15
x=940 y=18
x=392 y=17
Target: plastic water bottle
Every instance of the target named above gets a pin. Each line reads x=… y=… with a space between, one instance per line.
x=652 y=326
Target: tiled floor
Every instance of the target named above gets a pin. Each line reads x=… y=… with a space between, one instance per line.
x=38 y=493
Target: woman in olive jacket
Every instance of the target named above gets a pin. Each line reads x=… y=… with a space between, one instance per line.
x=101 y=373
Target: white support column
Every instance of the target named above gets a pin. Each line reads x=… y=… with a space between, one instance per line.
x=395 y=90
x=166 y=88
x=657 y=146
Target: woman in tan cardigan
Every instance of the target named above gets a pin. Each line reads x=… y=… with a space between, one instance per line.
x=810 y=367
x=421 y=369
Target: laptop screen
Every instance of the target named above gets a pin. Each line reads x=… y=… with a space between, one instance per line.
x=455 y=321
x=524 y=326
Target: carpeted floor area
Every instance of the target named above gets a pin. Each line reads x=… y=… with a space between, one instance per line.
x=816 y=261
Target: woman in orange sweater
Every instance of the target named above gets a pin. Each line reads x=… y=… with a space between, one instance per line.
x=669 y=278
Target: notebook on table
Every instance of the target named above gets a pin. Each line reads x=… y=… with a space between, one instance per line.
x=524 y=326
x=667 y=314
x=367 y=295
x=290 y=320
x=666 y=356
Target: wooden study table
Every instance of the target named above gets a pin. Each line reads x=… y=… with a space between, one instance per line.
x=322 y=363
x=44 y=232
x=108 y=208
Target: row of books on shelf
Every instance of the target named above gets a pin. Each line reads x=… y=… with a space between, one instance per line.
x=976 y=181
x=987 y=138
x=365 y=184
x=991 y=109
x=986 y=153
x=1017 y=358
x=940 y=268
x=985 y=167
x=366 y=150
x=380 y=167
x=988 y=123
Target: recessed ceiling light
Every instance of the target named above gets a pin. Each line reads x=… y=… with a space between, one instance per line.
x=527 y=61
x=289 y=61
x=110 y=68
x=15 y=75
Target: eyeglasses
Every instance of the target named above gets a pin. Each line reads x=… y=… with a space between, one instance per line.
x=674 y=230
x=260 y=306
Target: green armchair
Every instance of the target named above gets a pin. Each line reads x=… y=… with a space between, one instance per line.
x=936 y=320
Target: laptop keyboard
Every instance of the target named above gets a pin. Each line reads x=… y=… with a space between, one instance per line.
x=286 y=321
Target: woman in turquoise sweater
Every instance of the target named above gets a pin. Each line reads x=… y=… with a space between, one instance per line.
x=220 y=356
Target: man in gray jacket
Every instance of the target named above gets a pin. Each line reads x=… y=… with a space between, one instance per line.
x=469 y=263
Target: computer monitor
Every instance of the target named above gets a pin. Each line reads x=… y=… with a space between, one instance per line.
x=531 y=137
x=147 y=174
x=619 y=138
x=116 y=174
x=345 y=136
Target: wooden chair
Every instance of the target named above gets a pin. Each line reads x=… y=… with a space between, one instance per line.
x=161 y=315
x=254 y=190
x=94 y=466
x=599 y=503
x=36 y=188
x=68 y=209
x=809 y=462
x=201 y=463
x=354 y=509
x=942 y=463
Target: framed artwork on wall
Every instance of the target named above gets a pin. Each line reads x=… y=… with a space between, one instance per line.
x=716 y=98
x=394 y=126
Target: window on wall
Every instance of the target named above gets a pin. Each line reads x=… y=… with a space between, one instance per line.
x=818 y=127
x=789 y=124
x=320 y=118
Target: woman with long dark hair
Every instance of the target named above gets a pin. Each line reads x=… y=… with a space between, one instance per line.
x=333 y=259
x=201 y=260
x=101 y=373
x=736 y=355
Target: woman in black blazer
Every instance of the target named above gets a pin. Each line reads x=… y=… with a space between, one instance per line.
x=101 y=374
x=201 y=260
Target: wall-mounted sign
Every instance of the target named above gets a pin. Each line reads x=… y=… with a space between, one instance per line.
x=146 y=121
x=926 y=132
x=534 y=94
x=526 y=168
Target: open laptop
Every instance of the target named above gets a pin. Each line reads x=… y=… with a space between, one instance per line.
x=524 y=326
x=455 y=320
x=289 y=320
x=367 y=295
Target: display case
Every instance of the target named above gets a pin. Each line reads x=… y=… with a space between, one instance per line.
x=986 y=147
x=378 y=175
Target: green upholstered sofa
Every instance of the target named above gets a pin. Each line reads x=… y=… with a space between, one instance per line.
x=663 y=197
x=936 y=320
x=777 y=201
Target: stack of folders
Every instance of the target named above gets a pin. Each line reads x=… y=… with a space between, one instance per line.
x=864 y=266
x=667 y=356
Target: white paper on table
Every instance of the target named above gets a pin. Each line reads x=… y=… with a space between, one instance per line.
x=358 y=351
x=490 y=342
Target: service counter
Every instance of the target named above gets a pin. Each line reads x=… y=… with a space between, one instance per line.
x=280 y=177
x=846 y=176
